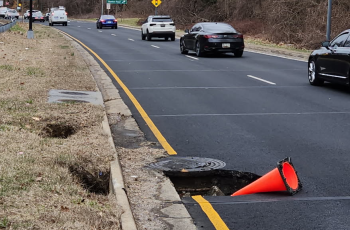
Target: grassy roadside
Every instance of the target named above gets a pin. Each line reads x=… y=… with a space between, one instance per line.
x=54 y=164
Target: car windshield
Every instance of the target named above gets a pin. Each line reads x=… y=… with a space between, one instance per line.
x=107 y=17
x=12 y=11
x=37 y=14
x=218 y=28
x=162 y=20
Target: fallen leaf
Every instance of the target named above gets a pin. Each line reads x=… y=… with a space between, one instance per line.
x=64 y=209
x=36 y=118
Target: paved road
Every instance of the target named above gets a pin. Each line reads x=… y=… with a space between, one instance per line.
x=249 y=112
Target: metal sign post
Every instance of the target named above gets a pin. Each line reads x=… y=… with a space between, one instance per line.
x=102 y=8
x=329 y=19
x=156 y=3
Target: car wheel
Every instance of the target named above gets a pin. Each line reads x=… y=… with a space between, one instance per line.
x=166 y=38
x=149 y=37
x=173 y=38
x=182 y=48
x=199 y=51
x=143 y=37
x=238 y=53
x=313 y=75
x=50 y=24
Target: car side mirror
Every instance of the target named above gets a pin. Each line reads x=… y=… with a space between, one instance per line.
x=187 y=31
x=325 y=44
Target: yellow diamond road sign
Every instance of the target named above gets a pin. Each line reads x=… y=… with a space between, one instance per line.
x=156 y=3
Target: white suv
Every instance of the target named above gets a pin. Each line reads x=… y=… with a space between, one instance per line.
x=58 y=16
x=160 y=26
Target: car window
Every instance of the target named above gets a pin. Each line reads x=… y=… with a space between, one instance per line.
x=339 y=41
x=162 y=20
x=195 y=28
x=347 y=43
x=107 y=17
x=218 y=27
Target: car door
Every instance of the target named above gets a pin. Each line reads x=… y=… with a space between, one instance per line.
x=192 y=36
x=144 y=25
x=331 y=66
x=343 y=57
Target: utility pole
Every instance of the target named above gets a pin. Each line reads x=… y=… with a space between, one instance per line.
x=30 y=33
x=102 y=8
x=329 y=20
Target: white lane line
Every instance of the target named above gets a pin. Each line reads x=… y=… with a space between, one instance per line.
x=192 y=57
x=131 y=39
x=113 y=35
x=100 y=31
x=89 y=28
x=268 y=82
x=155 y=46
x=78 y=26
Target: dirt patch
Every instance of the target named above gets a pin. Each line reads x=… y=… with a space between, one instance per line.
x=55 y=159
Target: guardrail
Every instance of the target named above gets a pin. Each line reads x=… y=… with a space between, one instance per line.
x=7 y=26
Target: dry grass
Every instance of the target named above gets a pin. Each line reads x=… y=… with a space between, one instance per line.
x=48 y=181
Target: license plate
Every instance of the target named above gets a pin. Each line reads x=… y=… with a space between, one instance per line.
x=56 y=16
x=162 y=25
x=61 y=17
x=225 y=45
x=109 y=22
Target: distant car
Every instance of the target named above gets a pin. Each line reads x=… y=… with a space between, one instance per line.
x=11 y=13
x=38 y=16
x=107 y=21
x=58 y=16
x=160 y=26
x=27 y=14
x=331 y=62
x=212 y=37
x=3 y=11
x=47 y=15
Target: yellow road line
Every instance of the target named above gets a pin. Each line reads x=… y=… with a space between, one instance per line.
x=139 y=108
x=213 y=216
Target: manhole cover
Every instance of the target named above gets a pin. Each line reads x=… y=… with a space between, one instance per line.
x=187 y=164
x=73 y=93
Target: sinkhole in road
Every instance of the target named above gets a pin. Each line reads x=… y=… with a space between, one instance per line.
x=202 y=176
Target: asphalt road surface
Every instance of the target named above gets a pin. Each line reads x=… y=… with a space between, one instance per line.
x=249 y=112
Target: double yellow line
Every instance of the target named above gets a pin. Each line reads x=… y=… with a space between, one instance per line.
x=207 y=208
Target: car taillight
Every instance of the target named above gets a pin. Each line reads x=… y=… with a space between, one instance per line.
x=211 y=36
x=115 y=20
x=103 y=20
x=152 y=24
x=66 y=13
x=53 y=14
x=238 y=36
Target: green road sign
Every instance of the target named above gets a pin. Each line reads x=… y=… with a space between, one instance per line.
x=117 y=1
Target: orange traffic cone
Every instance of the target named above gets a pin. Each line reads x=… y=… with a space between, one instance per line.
x=282 y=178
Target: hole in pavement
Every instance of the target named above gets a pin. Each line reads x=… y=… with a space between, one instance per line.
x=210 y=183
x=202 y=176
x=57 y=131
x=74 y=93
x=97 y=183
x=72 y=101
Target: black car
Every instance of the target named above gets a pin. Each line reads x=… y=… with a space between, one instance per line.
x=331 y=62
x=38 y=16
x=213 y=37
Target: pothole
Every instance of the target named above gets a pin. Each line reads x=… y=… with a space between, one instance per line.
x=97 y=183
x=202 y=176
x=57 y=131
x=211 y=183
x=72 y=101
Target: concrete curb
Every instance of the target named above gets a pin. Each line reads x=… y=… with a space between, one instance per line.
x=116 y=176
x=173 y=211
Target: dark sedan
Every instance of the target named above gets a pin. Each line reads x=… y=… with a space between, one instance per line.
x=212 y=37
x=331 y=62
x=107 y=21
